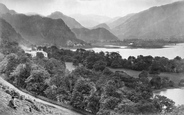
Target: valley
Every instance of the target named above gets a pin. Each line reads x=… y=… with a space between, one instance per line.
x=91 y=57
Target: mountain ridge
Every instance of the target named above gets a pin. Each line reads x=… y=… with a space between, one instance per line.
x=94 y=35
x=102 y=25
x=4 y=10
x=71 y=22
x=8 y=33
x=159 y=22
x=40 y=30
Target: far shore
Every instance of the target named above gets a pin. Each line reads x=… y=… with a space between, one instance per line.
x=117 y=46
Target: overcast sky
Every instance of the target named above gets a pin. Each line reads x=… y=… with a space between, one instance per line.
x=110 y=8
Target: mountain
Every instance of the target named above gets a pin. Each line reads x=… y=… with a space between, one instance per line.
x=90 y=21
x=8 y=33
x=42 y=30
x=4 y=10
x=103 y=25
x=70 y=22
x=118 y=21
x=112 y=20
x=161 y=22
x=94 y=35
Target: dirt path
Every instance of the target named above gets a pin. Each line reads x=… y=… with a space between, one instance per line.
x=65 y=111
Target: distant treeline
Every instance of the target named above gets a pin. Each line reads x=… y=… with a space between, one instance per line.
x=98 y=61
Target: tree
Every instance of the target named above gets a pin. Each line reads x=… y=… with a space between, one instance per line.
x=20 y=74
x=166 y=82
x=36 y=82
x=51 y=93
x=116 y=64
x=163 y=103
x=75 y=62
x=93 y=104
x=99 y=65
x=109 y=103
x=156 y=82
x=143 y=77
x=147 y=107
x=7 y=47
x=39 y=55
x=81 y=92
x=107 y=71
x=143 y=74
x=55 y=67
x=91 y=59
x=155 y=68
x=8 y=65
x=126 y=106
x=177 y=58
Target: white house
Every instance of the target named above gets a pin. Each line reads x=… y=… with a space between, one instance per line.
x=33 y=53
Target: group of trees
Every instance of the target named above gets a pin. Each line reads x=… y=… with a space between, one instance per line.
x=99 y=61
x=92 y=87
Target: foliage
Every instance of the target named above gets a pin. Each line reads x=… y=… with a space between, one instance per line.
x=7 y=47
x=36 y=82
x=8 y=64
x=39 y=55
x=20 y=74
x=94 y=87
x=99 y=65
x=163 y=103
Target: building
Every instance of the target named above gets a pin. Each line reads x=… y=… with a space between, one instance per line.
x=34 y=52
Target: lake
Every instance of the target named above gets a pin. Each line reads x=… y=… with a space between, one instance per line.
x=176 y=95
x=169 y=51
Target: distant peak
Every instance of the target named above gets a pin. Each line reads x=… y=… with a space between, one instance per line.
x=2 y=6
x=4 y=9
x=57 y=12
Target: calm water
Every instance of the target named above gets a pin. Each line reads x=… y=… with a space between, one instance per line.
x=170 y=51
x=176 y=95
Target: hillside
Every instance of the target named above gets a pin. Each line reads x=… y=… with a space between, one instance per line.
x=160 y=22
x=41 y=30
x=70 y=22
x=94 y=35
x=8 y=33
x=4 y=10
x=25 y=105
x=119 y=21
x=103 y=25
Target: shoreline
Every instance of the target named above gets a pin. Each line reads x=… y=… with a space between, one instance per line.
x=164 y=89
x=116 y=46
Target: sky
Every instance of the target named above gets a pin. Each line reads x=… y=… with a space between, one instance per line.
x=110 y=8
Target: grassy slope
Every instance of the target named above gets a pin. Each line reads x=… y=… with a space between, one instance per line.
x=24 y=105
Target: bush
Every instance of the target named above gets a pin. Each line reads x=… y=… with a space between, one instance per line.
x=181 y=83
